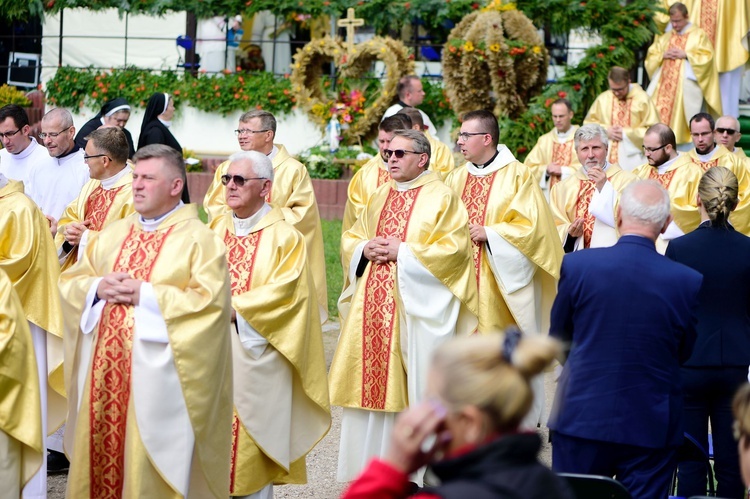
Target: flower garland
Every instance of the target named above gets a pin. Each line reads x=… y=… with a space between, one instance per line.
x=498 y=44
x=313 y=91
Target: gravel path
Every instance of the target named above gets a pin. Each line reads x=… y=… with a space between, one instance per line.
x=321 y=462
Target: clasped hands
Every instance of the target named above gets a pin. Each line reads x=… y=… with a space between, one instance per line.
x=118 y=287
x=73 y=231
x=382 y=249
x=675 y=53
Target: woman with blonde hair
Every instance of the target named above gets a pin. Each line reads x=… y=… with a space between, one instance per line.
x=478 y=393
x=718 y=364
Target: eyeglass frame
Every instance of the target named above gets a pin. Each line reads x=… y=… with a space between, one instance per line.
x=246 y=131
x=53 y=135
x=399 y=153
x=86 y=157
x=729 y=131
x=654 y=149
x=225 y=179
x=465 y=135
x=8 y=135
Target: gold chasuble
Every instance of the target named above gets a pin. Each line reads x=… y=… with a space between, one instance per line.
x=368 y=178
x=292 y=191
x=510 y=205
x=441 y=157
x=20 y=397
x=571 y=198
x=634 y=114
x=680 y=179
x=281 y=396
x=368 y=368
x=99 y=206
x=670 y=86
x=740 y=217
x=549 y=149
x=27 y=255
x=127 y=436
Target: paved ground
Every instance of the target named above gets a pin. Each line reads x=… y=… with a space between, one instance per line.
x=321 y=462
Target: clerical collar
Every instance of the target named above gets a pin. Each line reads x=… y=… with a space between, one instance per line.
x=243 y=226
x=3 y=180
x=151 y=224
x=405 y=186
x=684 y=29
x=502 y=158
x=662 y=169
x=273 y=153
x=485 y=165
x=27 y=150
x=708 y=155
x=109 y=183
x=403 y=104
x=563 y=136
x=69 y=153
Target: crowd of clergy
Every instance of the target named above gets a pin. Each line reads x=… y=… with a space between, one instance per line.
x=167 y=357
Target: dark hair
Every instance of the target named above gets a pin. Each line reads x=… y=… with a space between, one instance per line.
x=665 y=134
x=618 y=74
x=112 y=142
x=488 y=121
x=678 y=7
x=395 y=122
x=700 y=117
x=563 y=101
x=171 y=156
x=17 y=113
x=414 y=115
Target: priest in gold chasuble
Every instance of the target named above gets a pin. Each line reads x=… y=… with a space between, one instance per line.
x=410 y=286
x=292 y=192
x=584 y=205
x=107 y=197
x=148 y=355
x=707 y=154
x=27 y=256
x=21 y=438
x=626 y=111
x=281 y=407
x=516 y=253
x=441 y=156
x=683 y=74
x=678 y=175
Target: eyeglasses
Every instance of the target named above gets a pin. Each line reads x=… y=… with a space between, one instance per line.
x=399 y=153
x=466 y=135
x=238 y=180
x=86 y=157
x=730 y=131
x=246 y=131
x=8 y=135
x=52 y=135
x=620 y=89
x=654 y=149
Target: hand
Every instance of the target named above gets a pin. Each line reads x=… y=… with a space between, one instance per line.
x=111 y=286
x=576 y=228
x=478 y=233
x=614 y=133
x=376 y=250
x=554 y=169
x=412 y=429
x=52 y=225
x=133 y=295
x=74 y=230
x=597 y=176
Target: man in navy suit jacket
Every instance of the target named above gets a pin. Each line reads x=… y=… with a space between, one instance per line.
x=628 y=314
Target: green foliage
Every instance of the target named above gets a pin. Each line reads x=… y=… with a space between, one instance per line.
x=435 y=103
x=320 y=163
x=334 y=273
x=11 y=95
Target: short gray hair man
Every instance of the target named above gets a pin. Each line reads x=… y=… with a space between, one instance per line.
x=590 y=132
x=644 y=209
x=262 y=166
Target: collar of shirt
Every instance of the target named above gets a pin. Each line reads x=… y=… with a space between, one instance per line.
x=707 y=156
x=485 y=165
x=273 y=153
x=243 y=226
x=662 y=169
x=405 y=186
x=109 y=183
x=69 y=153
x=151 y=224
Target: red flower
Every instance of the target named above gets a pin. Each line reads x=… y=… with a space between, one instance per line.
x=532 y=126
x=176 y=92
x=548 y=102
x=636 y=23
x=562 y=94
x=94 y=94
x=611 y=47
x=475 y=6
x=593 y=65
x=407 y=5
x=522 y=149
x=621 y=38
x=577 y=87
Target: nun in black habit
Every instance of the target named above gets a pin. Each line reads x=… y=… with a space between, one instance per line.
x=115 y=112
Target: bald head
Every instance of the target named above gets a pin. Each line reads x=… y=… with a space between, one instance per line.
x=58 y=132
x=727 y=131
x=60 y=115
x=644 y=209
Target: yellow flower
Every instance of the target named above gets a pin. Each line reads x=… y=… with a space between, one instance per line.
x=495 y=47
x=537 y=49
x=499 y=6
x=468 y=46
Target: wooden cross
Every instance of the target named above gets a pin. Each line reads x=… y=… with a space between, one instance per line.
x=350 y=23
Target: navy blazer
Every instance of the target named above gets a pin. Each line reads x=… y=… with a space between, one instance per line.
x=628 y=313
x=722 y=255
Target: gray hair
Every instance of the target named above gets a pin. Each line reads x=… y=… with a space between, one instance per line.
x=641 y=206
x=267 y=120
x=262 y=166
x=62 y=114
x=590 y=132
x=420 y=143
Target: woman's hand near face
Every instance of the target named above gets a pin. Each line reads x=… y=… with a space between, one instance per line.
x=417 y=427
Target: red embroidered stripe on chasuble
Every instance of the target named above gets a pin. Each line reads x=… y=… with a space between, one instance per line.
x=475 y=196
x=97 y=208
x=379 y=310
x=669 y=81
x=561 y=153
x=585 y=193
x=664 y=179
x=708 y=19
x=383 y=176
x=241 y=253
x=110 y=372
x=705 y=165
x=621 y=117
